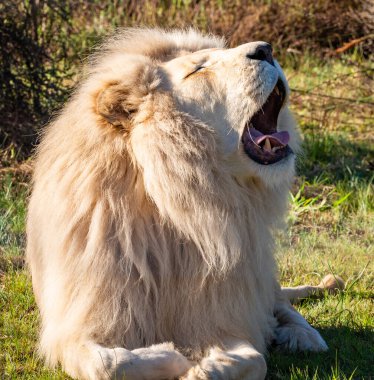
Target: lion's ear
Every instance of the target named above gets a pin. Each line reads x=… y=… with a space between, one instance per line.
x=119 y=100
x=112 y=105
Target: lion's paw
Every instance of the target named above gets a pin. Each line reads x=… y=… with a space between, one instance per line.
x=160 y=361
x=214 y=367
x=223 y=365
x=294 y=337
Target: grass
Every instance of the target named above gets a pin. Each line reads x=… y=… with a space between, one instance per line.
x=329 y=229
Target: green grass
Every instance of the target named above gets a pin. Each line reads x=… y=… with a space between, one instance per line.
x=330 y=229
x=19 y=318
x=330 y=224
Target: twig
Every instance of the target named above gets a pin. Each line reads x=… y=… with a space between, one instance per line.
x=352 y=43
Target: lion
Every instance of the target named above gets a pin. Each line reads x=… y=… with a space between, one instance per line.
x=156 y=193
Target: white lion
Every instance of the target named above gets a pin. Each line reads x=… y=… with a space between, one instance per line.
x=156 y=191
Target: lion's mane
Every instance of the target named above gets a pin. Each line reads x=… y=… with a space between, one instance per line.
x=137 y=232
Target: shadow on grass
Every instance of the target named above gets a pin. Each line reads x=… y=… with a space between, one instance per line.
x=13 y=195
x=333 y=158
x=351 y=351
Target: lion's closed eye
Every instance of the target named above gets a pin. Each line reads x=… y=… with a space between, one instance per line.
x=199 y=68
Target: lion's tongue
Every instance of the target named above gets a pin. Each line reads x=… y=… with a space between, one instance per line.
x=277 y=138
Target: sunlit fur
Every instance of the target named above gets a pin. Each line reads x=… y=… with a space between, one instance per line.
x=141 y=228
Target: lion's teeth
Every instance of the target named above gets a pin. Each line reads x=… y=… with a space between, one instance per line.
x=267 y=146
x=277 y=90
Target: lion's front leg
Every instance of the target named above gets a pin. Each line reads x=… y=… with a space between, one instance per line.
x=237 y=360
x=92 y=361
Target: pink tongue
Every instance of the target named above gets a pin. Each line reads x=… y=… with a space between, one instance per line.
x=282 y=137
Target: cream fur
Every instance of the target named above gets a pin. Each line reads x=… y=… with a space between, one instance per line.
x=148 y=224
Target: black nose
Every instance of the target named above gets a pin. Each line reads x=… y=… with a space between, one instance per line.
x=262 y=52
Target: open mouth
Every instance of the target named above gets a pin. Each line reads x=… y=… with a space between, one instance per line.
x=260 y=138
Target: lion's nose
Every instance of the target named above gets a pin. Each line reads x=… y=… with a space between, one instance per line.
x=261 y=51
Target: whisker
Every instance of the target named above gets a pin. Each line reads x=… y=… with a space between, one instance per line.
x=250 y=136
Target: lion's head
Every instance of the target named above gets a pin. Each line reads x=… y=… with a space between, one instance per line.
x=240 y=93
